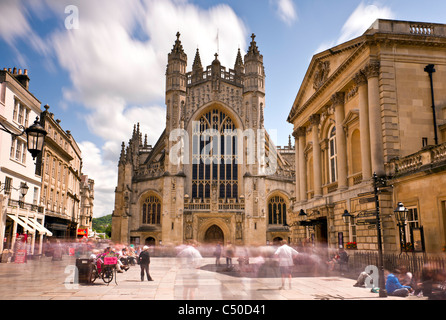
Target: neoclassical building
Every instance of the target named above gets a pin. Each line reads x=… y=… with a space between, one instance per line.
x=60 y=165
x=368 y=107
x=214 y=174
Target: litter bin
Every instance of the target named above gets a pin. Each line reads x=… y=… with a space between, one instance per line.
x=84 y=269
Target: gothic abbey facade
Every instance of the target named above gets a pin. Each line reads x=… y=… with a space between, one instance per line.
x=214 y=174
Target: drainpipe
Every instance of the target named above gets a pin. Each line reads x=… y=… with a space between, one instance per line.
x=430 y=70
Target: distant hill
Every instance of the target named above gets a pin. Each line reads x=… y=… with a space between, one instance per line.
x=103 y=224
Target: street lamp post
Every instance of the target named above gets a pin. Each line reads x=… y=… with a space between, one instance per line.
x=346 y=217
x=430 y=69
x=382 y=282
x=35 y=137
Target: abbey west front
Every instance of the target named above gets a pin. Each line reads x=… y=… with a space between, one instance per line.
x=369 y=133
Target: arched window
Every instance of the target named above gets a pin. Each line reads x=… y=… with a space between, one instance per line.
x=277 y=210
x=332 y=155
x=214 y=156
x=151 y=210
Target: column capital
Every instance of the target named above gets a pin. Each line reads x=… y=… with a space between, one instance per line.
x=372 y=69
x=315 y=119
x=299 y=132
x=338 y=99
x=360 y=79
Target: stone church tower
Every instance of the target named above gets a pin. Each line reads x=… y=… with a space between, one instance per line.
x=214 y=173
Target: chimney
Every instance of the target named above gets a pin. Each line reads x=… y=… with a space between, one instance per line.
x=23 y=78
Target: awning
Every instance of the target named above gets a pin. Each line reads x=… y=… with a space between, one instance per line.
x=38 y=226
x=22 y=223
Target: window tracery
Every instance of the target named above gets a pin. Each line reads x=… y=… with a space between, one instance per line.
x=214 y=156
x=151 y=210
x=277 y=210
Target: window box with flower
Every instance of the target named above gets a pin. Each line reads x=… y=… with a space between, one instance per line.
x=408 y=247
x=351 y=245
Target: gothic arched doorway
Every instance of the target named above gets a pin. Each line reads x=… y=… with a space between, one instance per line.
x=213 y=235
x=150 y=241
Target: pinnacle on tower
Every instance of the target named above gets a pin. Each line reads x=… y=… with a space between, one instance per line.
x=238 y=59
x=122 y=156
x=239 y=66
x=253 y=50
x=178 y=47
x=197 y=62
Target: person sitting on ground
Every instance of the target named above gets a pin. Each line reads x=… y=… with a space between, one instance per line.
x=394 y=287
x=405 y=277
x=361 y=281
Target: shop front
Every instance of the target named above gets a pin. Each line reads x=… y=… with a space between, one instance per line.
x=24 y=230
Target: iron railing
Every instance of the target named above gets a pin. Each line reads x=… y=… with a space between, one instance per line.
x=414 y=262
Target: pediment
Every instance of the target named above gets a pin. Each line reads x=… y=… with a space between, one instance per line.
x=352 y=116
x=323 y=67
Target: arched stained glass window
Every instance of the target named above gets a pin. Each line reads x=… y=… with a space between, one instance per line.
x=151 y=210
x=277 y=210
x=214 y=156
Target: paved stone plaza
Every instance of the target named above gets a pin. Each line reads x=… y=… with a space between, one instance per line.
x=47 y=280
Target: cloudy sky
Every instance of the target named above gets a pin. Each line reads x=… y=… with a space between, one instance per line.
x=100 y=64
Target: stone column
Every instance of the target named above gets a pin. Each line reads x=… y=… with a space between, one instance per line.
x=317 y=170
x=301 y=132
x=338 y=100
x=361 y=82
x=296 y=165
x=375 y=121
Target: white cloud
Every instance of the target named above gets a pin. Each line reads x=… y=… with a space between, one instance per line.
x=362 y=18
x=285 y=10
x=116 y=62
x=15 y=26
x=104 y=174
x=358 y=22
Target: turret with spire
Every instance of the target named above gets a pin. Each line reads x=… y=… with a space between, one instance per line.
x=176 y=67
x=254 y=70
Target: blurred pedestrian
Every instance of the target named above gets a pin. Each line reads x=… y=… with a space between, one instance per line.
x=217 y=254
x=144 y=261
x=57 y=251
x=229 y=254
x=190 y=259
x=285 y=254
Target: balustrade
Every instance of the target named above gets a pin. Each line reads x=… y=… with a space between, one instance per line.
x=421 y=29
x=414 y=162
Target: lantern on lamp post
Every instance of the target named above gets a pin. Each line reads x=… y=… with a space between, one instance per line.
x=35 y=136
x=401 y=217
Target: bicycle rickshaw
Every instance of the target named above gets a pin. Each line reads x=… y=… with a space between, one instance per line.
x=106 y=269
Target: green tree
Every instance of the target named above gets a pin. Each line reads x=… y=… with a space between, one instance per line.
x=103 y=225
